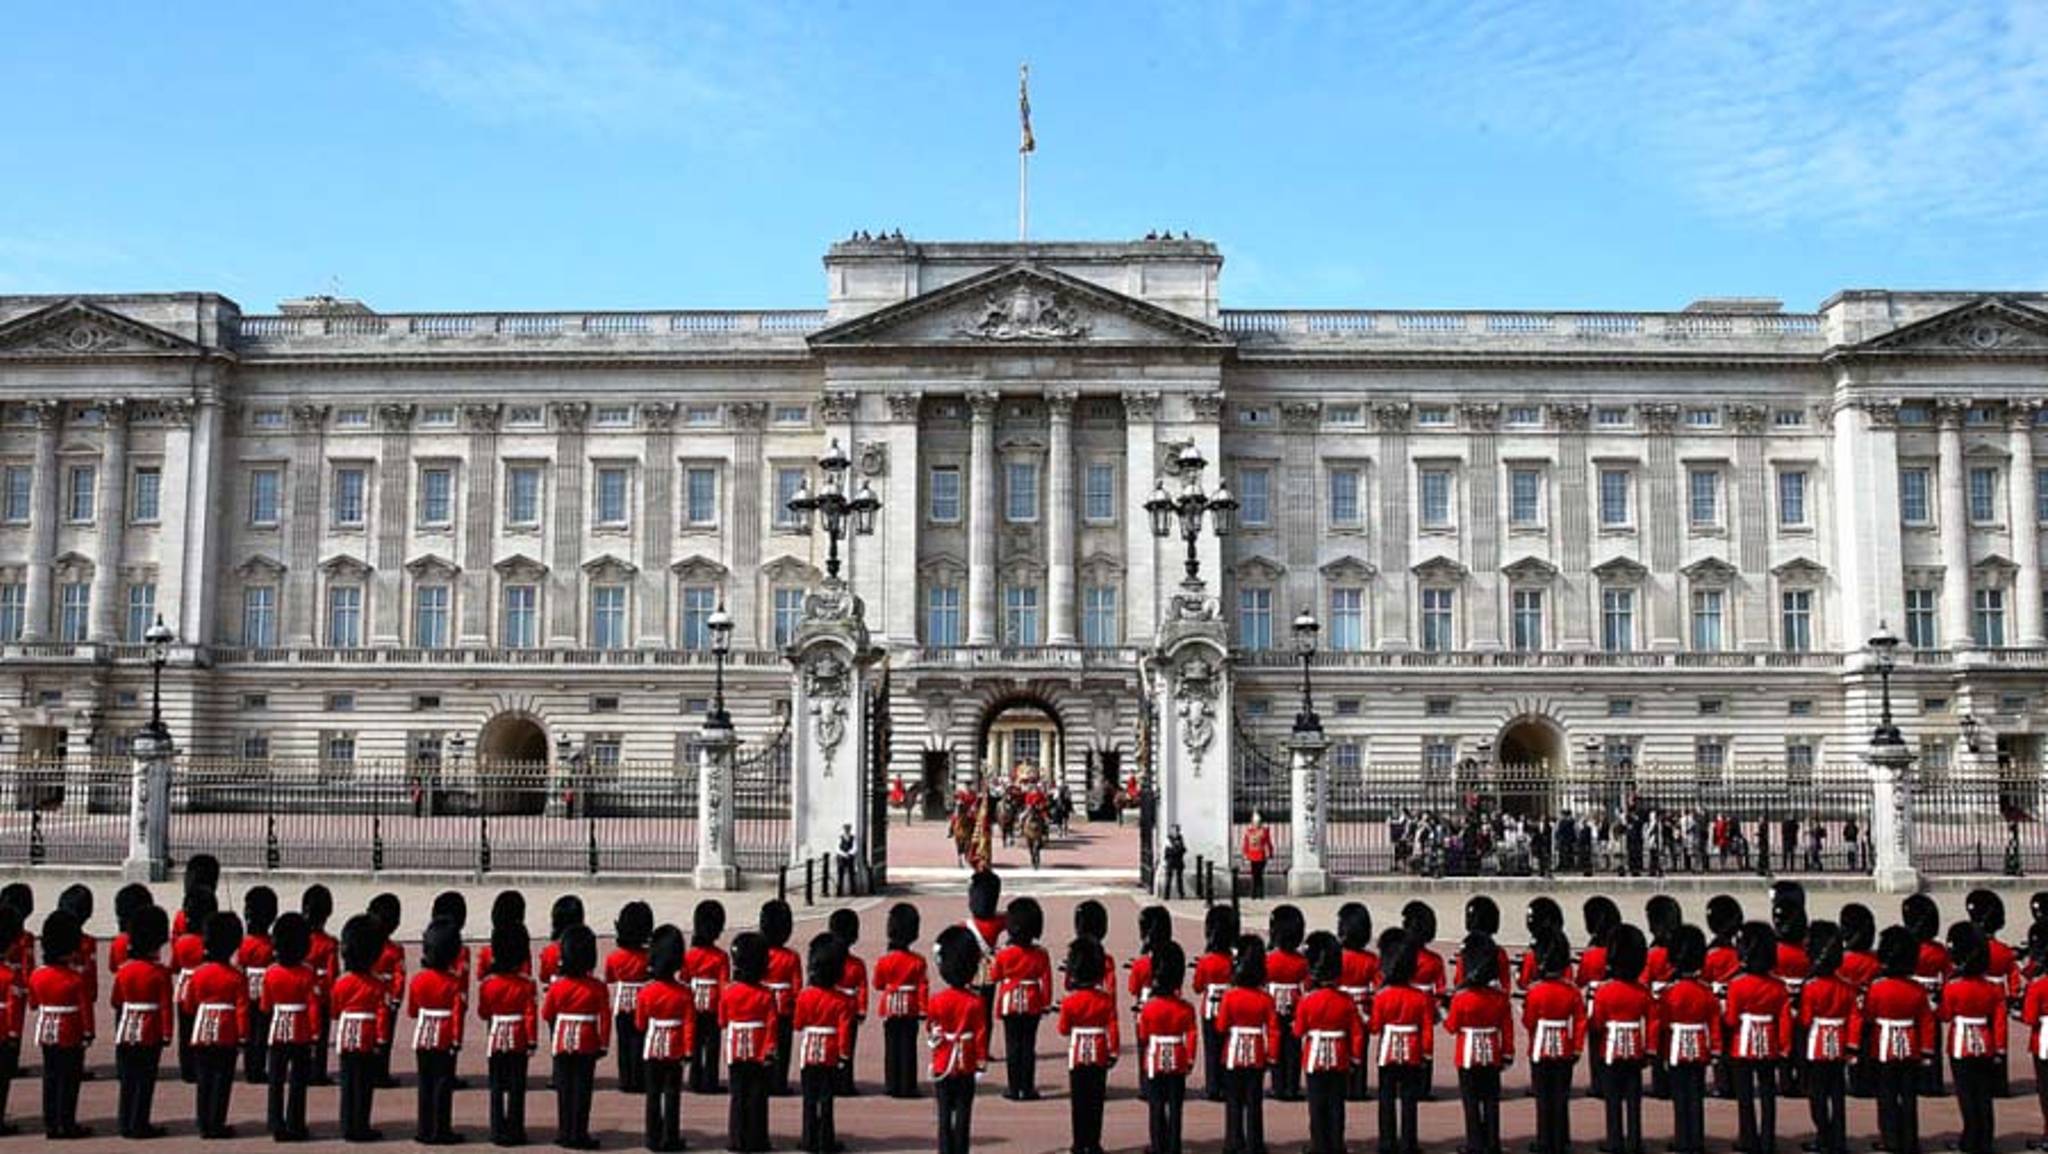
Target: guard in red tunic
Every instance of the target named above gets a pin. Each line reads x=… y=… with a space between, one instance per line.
x=507 y=909
x=1023 y=977
x=291 y=1002
x=1404 y=1026
x=13 y=1008
x=1286 y=981
x=1482 y=917
x=1901 y=1033
x=1257 y=849
x=1542 y=918
x=1859 y=968
x=1724 y=920
x=1251 y=1034
x=1088 y=1022
x=957 y=1029
x=844 y=924
x=902 y=985
x=62 y=1007
x=1788 y=920
x=323 y=954
x=1986 y=911
x=823 y=1030
x=143 y=1018
x=216 y=1000
x=1361 y=972
x=391 y=971
x=625 y=971
x=1331 y=1037
x=1759 y=1023
x=259 y=912
x=1091 y=920
x=1554 y=1013
x=1931 y=967
x=578 y=1007
x=1662 y=916
x=2034 y=1012
x=707 y=969
x=437 y=1000
x=1973 y=1006
x=1601 y=918
x=1481 y=1027
x=362 y=1019
x=1620 y=1024
x=508 y=1004
x=665 y=1017
x=1830 y=1022
x=1432 y=976
x=987 y=923
x=748 y=1030
x=1211 y=981
x=77 y=901
x=128 y=899
x=188 y=953
x=784 y=975
x=1166 y=1047
x=1685 y=1035
x=1155 y=926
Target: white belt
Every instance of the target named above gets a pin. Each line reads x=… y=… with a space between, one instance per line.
x=50 y=1023
x=255 y=988
x=2041 y=1039
x=1824 y=1039
x=1284 y=994
x=1163 y=1055
x=704 y=991
x=1623 y=1042
x=1479 y=1047
x=426 y=1031
x=658 y=1044
x=355 y=1032
x=206 y=1023
x=1212 y=1001
x=1324 y=1050
x=1552 y=1040
x=814 y=1045
x=179 y=981
x=624 y=995
x=1088 y=1046
x=1757 y=1036
x=1970 y=1038
x=1688 y=1044
x=505 y=1033
x=741 y=1041
x=133 y=1023
x=284 y=1023
x=1896 y=1040
x=1247 y=1049
x=957 y=1056
x=1400 y=1045
x=569 y=1031
x=900 y=1002
x=1014 y=999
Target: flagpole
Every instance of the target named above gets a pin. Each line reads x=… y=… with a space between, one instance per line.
x=1023 y=195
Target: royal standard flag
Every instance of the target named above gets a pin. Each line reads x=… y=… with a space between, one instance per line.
x=1027 y=143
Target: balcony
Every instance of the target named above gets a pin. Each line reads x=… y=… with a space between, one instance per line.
x=1545 y=659
x=1122 y=659
x=328 y=658
x=1471 y=330
x=382 y=334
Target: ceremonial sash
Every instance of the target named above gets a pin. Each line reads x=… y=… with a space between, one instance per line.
x=570 y=1030
x=1324 y=1051
x=1285 y=994
x=1756 y=1037
x=1015 y=997
x=624 y=995
x=1624 y=1042
x=663 y=1041
x=785 y=996
x=1212 y=1001
x=1688 y=1044
x=1247 y=1048
x=50 y=1024
x=179 y=981
x=1087 y=1046
x=983 y=975
x=132 y=1028
x=1896 y=1041
x=704 y=992
x=508 y=1034
x=1970 y=1038
x=1478 y=1048
x=745 y=1042
x=1824 y=1041
x=900 y=1002
x=1552 y=1040
x=286 y=1022
x=208 y=1025
x=957 y=1045
x=815 y=1046
x=256 y=987
x=1401 y=1046
x=356 y=1032
x=2041 y=1039
x=429 y=1030
x=1164 y=1055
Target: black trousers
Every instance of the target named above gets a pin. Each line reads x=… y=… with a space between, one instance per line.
x=1624 y=1099
x=187 y=1072
x=63 y=1069
x=1480 y=1089
x=384 y=1078
x=358 y=1094
x=1551 y=1084
x=1756 y=1106
x=10 y=1068
x=955 y=1096
x=1287 y=1063
x=1244 y=1111
x=704 y=1057
x=1358 y=1084
x=1724 y=1076
x=845 y=882
x=664 y=1105
x=1400 y=1096
x=1166 y=1100
x=1976 y=1082
x=575 y=1080
x=1087 y=1090
x=987 y=994
x=256 y=1048
x=135 y=1068
x=290 y=1068
x=1863 y=1071
x=320 y=1076
x=1326 y=1112
x=1176 y=885
x=627 y=1042
x=1213 y=1080
x=1827 y=1099
x=1596 y=1081
x=746 y=1111
x=506 y=1075
x=818 y=1134
x=1020 y=1054
x=436 y=1094
x=1688 y=1109
x=2041 y=1090
x=1792 y=1071
x=213 y=1069
x=899 y=1057
x=785 y=1046
x=1898 y=1106
x=1258 y=879
x=843 y=1084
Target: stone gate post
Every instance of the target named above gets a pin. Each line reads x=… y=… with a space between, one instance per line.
x=831 y=657
x=1891 y=817
x=1306 y=875
x=149 y=808
x=1190 y=684
x=716 y=868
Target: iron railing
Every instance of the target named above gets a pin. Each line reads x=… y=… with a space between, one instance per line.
x=1261 y=784
x=64 y=812
x=1981 y=822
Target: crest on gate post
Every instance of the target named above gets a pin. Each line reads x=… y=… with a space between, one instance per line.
x=1188 y=679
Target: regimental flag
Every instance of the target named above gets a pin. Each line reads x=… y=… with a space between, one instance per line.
x=1026 y=143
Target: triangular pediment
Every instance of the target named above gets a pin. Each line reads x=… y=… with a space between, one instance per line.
x=260 y=566
x=1710 y=571
x=1441 y=569
x=1985 y=326
x=609 y=567
x=1621 y=571
x=1530 y=570
x=1994 y=565
x=699 y=569
x=1021 y=305
x=1802 y=570
x=1349 y=568
x=788 y=569
x=79 y=328
x=1260 y=568
x=432 y=567
x=343 y=565
x=520 y=567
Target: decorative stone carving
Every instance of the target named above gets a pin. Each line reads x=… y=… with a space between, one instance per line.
x=1207 y=406
x=395 y=416
x=874 y=459
x=827 y=685
x=520 y=567
x=748 y=416
x=309 y=418
x=1883 y=414
x=1660 y=420
x=714 y=797
x=82 y=338
x=430 y=566
x=1141 y=405
x=570 y=416
x=904 y=406
x=1749 y=420
x=482 y=418
x=114 y=411
x=1480 y=416
x=1301 y=416
x=174 y=414
x=1059 y=404
x=1392 y=416
x=659 y=416
x=610 y=567
x=2021 y=413
x=1026 y=313
x=1949 y=412
x=1194 y=697
x=1572 y=418
x=938 y=715
x=1984 y=336
x=839 y=408
x=983 y=404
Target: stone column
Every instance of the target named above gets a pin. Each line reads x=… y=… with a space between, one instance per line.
x=113 y=521
x=1306 y=876
x=2026 y=524
x=1574 y=528
x=1482 y=480
x=658 y=520
x=1059 y=523
x=42 y=518
x=1662 y=521
x=394 y=522
x=565 y=563
x=742 y=592
x=829 y=724
x=1190 y=685
x=1954 y=487
x=981 y=521
x=149 y=809
x=1863 y=491
x=202 y=544
x=1891 y=819
x=1750 y=511
x=479 y=523
x=1294 y=506
x=900 y=517
x=1141 y=549
x=182 y=507
x=716 y=869
x=1395 y=580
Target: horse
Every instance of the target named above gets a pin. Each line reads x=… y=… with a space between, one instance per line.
x=961 y=827
x=1035 y=832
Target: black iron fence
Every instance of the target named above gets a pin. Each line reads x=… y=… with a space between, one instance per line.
x=69 y=812
x=1262 y=787
x=762 y=837
x=1980 y=822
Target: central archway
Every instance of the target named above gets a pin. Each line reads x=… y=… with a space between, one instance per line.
x=512 y=765
x=1022 y=736
x=1529 y=755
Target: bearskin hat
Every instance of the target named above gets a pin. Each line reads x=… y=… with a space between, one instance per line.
x=149 y=928
x=1688 y=950
x=1986 y=911
x=1285 y=927
x=1898 y=952
x=386 y=909
x=1553 y=954
x=1824 y=947
x=904 y=925
x=202 y=869
x=707 y=922
x=1967 y=950
x=579 y=951
x=665 y=951
x=1600 y=916
x=2037 y=945
x=1787 y=890
x=1354 y=926
x=749 y=957
x=1219 y=929
x=10 y=926
x=984 y=894
x=1084 y=963
x=362 y=939
x=290 y=938
x=959 y=956
x=62 y=935
x=511 y=947
x=1170 y=967
x=1325 y=958
x=2037 y=906
x=1757 y=945
x=223 y=937
x=451 y=906
x=777 y=923
x=1724 y=918
x=440 y=945
x=1026 y=921
x=199 y=905
x=1480 y=957
x=1788 y=921
x=1859 y=927
x=1627 y=953
x=508 y=908
x=844 y=924
x=635 y=922
x=127 y=900
x=567 y=911
x=1542 y=911
x=1663 y=917
x=1091 y=919
x=1155 y=925
x=317 y=903
x=259 y=909
x=77 y=901
x=1482 y=915
x=1919 y=914
x=825 y=962
x=1248 y=968
x=1418 y=918
x=22 y=898
x=1400 y=962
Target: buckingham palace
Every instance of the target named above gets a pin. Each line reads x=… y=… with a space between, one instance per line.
x=1529 y=537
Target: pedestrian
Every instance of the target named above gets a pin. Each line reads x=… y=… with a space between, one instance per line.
x=664 y=1017
x=389 y=913
x=63 y=1009
x=1481 y=1027
x=848 y=880
x=1974 y=1009
x=188 y=953
x=1176 y=857
x=1759 y=1022
x=1087 y=1019
x=362 y=1016
x=1023 y=976
x=1166 y=1047
x=1332 y=1040
x=216 y=1000
x=290 y=1001
x=1257 y=847
x=1904 y=1032
x=1251 y=1034
x=437 y=1001
x=507 y=1002
x=783 y=975
x=958 y=1036
x=1687 y=1031
x=747 y=1025
x=323 y=957
x=1554 y=1013
x=625 y=971
x=707 y=969
x=143 y=1017
x=1286 y=980
x=1212 y=980
x=577 y=1006
x=902 y=987
x=844 y=924
x=1620 y=1021
x=824 y=1040
x=1361 y=972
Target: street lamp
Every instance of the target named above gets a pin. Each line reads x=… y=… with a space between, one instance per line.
x=1972 y=732
x=159 y=638
x=1305 y=630
x=719 y=624
x=1190 y=507
x=1884 y=647
x=832 y=504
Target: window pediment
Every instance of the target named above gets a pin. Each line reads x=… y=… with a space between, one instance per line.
x=432 y=567
x=258 y=567
x=942 y=567
x=1440 y=569
x=1349 y=568
x=609 y=567
x=341 y=565
x=1260 y=570
x=790 y=570
x=1994 y=570
x=1100 y=567
x=1621 y=571
x=72 y=565
x=699 y=569
x=520 y=567
x=1710 y=571
x=1530 y=571
x=1800 y=570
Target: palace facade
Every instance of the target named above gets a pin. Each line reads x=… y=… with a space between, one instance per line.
x=1548 y=537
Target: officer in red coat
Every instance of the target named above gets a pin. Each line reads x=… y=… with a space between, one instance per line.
x=665 y=1017
x=1257 y=848
x=958 y=1027
x=61 y=1003
x=143 y=1019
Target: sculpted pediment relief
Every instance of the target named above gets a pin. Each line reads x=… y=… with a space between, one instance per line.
x=609 y=567
x=343 y=565
x=1019 y=305
x=1259 y=568
x=790 y=570
x=1710 y=571
x=1530 y=570
x=259 y=567
x=1800 y=569
x=698 y=568
x=1989 y=325
x=78 y=328
x=432 y=566
x=1441 y=569
x=1621 y=571
x=1349 y=568
x=520 y=567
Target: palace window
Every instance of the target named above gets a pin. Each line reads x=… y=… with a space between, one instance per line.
x=522 y=496
x=787 y=482
x=1913 y=504
x=1020 y=491
x=1710 y=757
x=259 y=616
x=942 y=616
x=74 y=611
x=792 y=414
x=146 y=505
x=1020 y=615
x=608 y=617
x=1703 y=488
x=430 y=616
x=17 y=489
x=1788 y=418
x=1525 y=498
x=1345 y=498
x=1344 y=415
x=522 y=617
x=265 y=485
x=337 y=754
x=1614 y=484
x=1098 y=615
x=1526 y=615
x=1255 y=496
x=1255 y=618
x=1439 y=755
x=698 y=603
x=614 y=504
x=1439 y=631
x=1433 y=416
x=2041 y=495
x=1617 y=620
x=1345 y=757
x=1706 y=620
x=1792 y=498
x=1702 y=418
x=141 y=612
x=1987 y=617
x=1436 y=498
x=1611 y=416
x=1983 y=496
x=789 y=612
x=344 y=616
x=13 y=610
x=612 y=416
x=1795 y=614
x=1799 y=760
x=525 y=417
x=438 y=417
x=700 y=416
x=1347 y=619
x=1098 y=493
x=700 y=496
x=945 y=494
x=80 y=497
x=437 y=497
x=349 y=486
x=1524 y=416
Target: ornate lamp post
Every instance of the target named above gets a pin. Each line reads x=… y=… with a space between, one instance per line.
x=1884 y=650
x=1189 y=509
x=1305 y=629
x=159 y=638
x=832 y=505
x=719 y=625
x=1891 y=793
x=715 y=868
x=149 y=792
x=1309 y=792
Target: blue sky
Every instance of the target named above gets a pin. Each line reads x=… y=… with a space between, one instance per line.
x=512 y=154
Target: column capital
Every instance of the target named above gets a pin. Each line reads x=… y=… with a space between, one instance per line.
x=1480 y=416
x=1301 y=416
x=309 y=418
x=1660 y=419
x=904 y=406
x=482 y=418
x=45 y=414
x=1391 y=416
x=659 y=416
x=982 y=404
x=747 y=416
x=114 y=411
x=1141 y=405
x=1949 y=413
x=2020 y=414
x=1059 y=404
x=395 y=416
x=1572 y=418
x=1748 y=420
x=570 y=416
x=839 y=406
